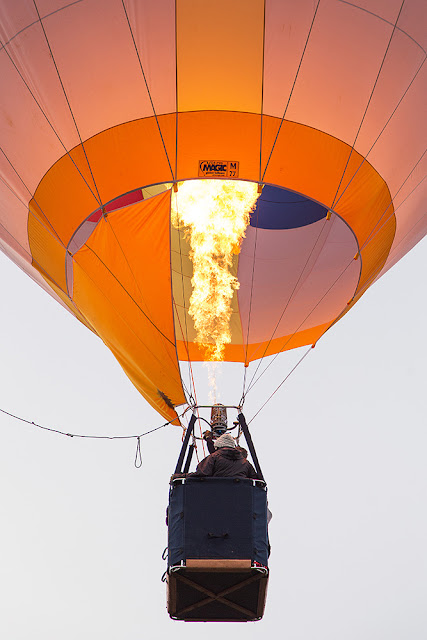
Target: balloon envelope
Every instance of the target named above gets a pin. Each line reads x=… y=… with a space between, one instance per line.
x=105 y=105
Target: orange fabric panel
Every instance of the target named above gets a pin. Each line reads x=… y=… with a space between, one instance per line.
x=114 y=329
x=364 y=202
x=121 y=159
x=132 y=155
x=375 y=253
x=363 y=197
x=66 y=194
x=218 y=135
x=135 y=244
x=311 y=162
x=47 y=251
x=236 y=353
x=303 y=159
x=220 y=55
x=128 y=300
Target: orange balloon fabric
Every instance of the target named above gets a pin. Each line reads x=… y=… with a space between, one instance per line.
x=106 y=104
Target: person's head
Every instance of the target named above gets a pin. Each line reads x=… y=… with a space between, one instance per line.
x=225 y=441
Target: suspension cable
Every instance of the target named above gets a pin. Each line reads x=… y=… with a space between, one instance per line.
x=283 y=381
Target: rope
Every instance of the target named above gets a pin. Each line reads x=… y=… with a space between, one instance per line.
x=292 y=90
x=262 y=97
x=189 y=393
x=262 y=178
x=283 y=381
x=137 y=437
x=367 y=106
x=138 y=457
x=97 y=196
x=250 y=385
x=117 y=311
x=193 y=394
x=50 y=230
x=184 y=337
x=345 y=168
x=378 y=226
x=67 y=152
x=253 y=382
x=369 y=239
x=147 y=317
x=147 y=87
x=250 y=310
x=108 y=222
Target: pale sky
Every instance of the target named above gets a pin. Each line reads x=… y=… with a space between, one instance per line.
x=342 y=445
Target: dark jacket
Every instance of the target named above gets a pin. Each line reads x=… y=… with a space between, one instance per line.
x=226 y=463
x=210 y=443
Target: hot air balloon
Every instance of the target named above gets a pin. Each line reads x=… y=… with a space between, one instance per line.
x=106 y=104
x=109 y=108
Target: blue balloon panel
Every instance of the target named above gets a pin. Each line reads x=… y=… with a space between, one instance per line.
x=281 y=209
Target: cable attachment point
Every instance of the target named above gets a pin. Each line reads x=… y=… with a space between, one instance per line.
x=191 y=401
x=138 y=456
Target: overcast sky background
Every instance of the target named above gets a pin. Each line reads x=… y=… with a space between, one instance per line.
x=343 y=447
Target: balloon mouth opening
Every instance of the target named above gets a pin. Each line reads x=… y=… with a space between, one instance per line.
x=276 y=208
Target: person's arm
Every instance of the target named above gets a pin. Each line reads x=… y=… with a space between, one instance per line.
x=205 y=467
x=251 y=471
x=207 y=436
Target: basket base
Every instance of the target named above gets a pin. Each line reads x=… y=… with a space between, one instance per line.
x=232 y=593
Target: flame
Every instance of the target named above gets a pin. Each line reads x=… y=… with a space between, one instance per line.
x=214 y=215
